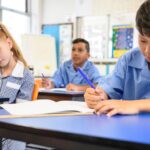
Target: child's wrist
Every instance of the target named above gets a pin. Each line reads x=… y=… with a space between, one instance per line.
x=138 y=105
x=143 y=105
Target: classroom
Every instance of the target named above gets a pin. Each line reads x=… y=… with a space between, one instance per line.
x=74 y=74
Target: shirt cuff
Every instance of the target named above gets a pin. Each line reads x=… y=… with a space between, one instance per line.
x=109 y=91
x=58 y=84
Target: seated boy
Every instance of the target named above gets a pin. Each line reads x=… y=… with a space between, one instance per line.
x=68 y=76
x=129 y=85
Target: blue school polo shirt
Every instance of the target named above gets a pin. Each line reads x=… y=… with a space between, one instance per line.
x=67 y=74
x=130 y=79
x=18 y=85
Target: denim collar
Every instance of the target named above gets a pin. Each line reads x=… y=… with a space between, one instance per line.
x=18 y=70
x=137 y=60
x=85 y=66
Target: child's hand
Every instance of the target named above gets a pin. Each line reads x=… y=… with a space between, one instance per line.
x=72 y=87
x=94 y=96
x=46 y=83
x=113 y=107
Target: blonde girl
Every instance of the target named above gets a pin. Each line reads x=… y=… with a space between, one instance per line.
x=16 y=81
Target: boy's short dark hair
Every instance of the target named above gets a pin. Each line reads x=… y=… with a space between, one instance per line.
x=143 y=19
x=80 y=40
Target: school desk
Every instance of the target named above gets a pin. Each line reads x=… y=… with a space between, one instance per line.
x=89 y=132
x=59 y=95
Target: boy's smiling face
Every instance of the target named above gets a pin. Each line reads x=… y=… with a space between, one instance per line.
x=79 y=54
x=144 y=44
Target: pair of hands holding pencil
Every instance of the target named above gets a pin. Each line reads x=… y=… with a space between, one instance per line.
x=47 y=83
x=98 y=100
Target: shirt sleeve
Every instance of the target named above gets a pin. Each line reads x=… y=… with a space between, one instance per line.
x=26 y=88
x=58 y=77
x=113 y=84
x=94 y=75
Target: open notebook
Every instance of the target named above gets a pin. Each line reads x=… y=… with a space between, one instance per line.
x=60 y=90
x=45 y=107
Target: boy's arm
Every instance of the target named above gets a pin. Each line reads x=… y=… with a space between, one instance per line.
x=109 y=87
x=74 y=87
x=143 y=105
x=113 y=84
x=59 y=77
x=113 y=107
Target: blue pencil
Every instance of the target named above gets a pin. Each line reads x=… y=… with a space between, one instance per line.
x=86 y=78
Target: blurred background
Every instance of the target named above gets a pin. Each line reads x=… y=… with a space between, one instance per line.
x=44 y=30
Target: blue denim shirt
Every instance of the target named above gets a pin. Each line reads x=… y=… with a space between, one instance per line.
x=18 y=85
x=67 y=74
x=130 y=79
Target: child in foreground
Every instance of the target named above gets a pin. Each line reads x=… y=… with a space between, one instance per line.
x=127 y=90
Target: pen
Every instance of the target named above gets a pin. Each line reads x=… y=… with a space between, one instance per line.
x=86 y=78
x=43 y=75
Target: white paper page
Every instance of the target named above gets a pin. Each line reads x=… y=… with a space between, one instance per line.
x=53 y=90
x=30 y=107
x=44 y=89
x=75 y=105
x=64 y=90
x=42 y=107
x=60 y=90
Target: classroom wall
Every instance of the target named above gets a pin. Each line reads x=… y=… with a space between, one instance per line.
x=49 y=12
x=36 y=16
x=56 y=11
x=102 y=7
x=67 y=10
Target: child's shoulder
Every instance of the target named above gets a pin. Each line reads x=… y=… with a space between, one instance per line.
x=88 y=65
x=132 y=54
x=67 y=63
x=135 y=51
x=134 y=58
x=27 y=74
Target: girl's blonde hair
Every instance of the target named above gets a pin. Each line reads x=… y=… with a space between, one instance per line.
x=4 y=34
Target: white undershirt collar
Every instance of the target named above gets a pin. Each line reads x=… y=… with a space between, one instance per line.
x=18 y=70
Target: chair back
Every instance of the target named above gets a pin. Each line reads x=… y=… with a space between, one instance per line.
x=35 y=90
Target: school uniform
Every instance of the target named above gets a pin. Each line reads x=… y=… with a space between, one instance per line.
x=130 y=79
x=67 y=74
x=18 y=85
